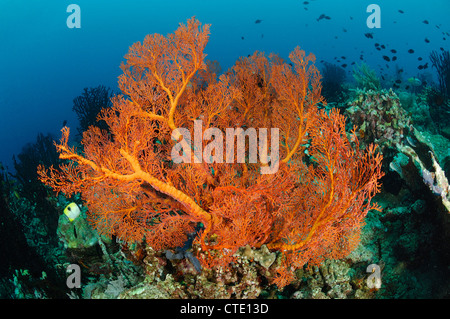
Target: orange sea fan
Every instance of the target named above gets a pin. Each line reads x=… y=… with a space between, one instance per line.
x=311 y=208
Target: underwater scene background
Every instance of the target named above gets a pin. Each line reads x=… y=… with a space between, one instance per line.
x=108 y=213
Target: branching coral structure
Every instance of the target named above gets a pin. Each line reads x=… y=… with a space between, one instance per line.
x=311 y=208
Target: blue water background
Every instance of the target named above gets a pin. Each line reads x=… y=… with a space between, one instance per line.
x=44 y=64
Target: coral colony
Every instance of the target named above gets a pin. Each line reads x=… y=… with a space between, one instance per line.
x=309 y=208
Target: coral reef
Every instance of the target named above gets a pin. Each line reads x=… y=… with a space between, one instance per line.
x=207 y=230
x=310 y=207
x=263 y=255
x=422 y=154
x=20 y=262
x=379 y=117
x=406 y=240
x=331 y=280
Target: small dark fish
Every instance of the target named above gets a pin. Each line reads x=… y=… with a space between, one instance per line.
x=242 y=38
x=395 y=86
x=419 y=58
x=427 y=41
x=306 y=2
x=378 y=48
x=394 y=51
x=401 y=11
x=398 y=81
x=407 y=87
x=420 y=67
x=262 y=35
x=344 y=29
x=394 y=58
x=400 y=71
x=442 y=49
x=343 y=57
x=410 y=51
x=322 y=16
x=344 y=65
x=386 y=58
x=258 y=21
x=369 y=35
x=377 y=44
x=383 y=46
x=353 y=63
x=425 y=66
x=64 y=123
x=327 y=17
x=382 y=77
x=425 y=21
